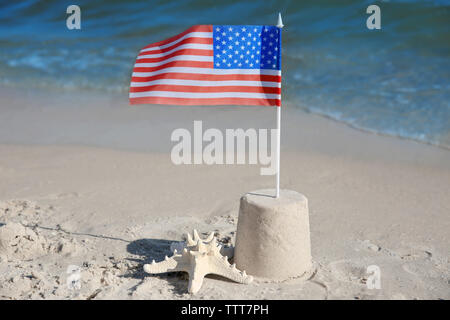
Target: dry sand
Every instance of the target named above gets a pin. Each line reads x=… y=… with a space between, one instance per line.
x=93 y=186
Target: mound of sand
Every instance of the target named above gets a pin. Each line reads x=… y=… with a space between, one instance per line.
x=23 y=211
x=18 y=242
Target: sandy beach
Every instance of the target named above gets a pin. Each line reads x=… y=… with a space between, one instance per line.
x=87 y=181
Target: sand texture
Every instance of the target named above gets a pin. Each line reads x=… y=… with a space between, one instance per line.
x=94 y=193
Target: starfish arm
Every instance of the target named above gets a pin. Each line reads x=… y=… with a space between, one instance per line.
x=221 y=267
x=196 y=276
x=173 y=264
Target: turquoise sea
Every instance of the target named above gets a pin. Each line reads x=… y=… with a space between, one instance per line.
x=393 y=81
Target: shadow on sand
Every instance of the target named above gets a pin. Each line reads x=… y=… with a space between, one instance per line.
x=154 y=249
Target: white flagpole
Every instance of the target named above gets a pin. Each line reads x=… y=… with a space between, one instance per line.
x=277 y=195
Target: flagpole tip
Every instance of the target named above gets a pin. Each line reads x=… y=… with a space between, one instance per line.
x=280 y=21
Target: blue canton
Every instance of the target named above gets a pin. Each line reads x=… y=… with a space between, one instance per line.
x=247 y=47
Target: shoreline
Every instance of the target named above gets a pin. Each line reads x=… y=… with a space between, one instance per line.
x=377 y=133
x=122 y=100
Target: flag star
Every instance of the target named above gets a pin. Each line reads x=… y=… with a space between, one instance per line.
x=243 y=38
x=246 y=61
x=242 y=47
x=236 y=52
x=230 y=55
x=270 y=44
x=259 y=43
x=217 y=29
x=229 y=64
x=218 y=55
x=271 y=35
x=252 y=56
x=217 y=38
x=268 y=61
x=224 y=34
x=239 y=64
x=257 y=52
x=262 y=56
x=256 y=60
x=254 y=38
x=255 y=30
x=224 y=60
x=237 y=34
x=248 y=52
x=230 y=47
x=265 y=39
x=217 y=47
x=270 y=52
x=276 y=49
x=230 y=38
x=241 y=56
x=273 y=66
x=249 y=34
x=244 y=29
x=224 y=51
x=236 y=43
x=223 y=42
x=235 y=61
x=249 y=43
x=230 y=29
x=251 y=64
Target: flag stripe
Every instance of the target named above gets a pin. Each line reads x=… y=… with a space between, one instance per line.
x=176 y=88
x=199 y=95
x=194 y=40
x=197 y=65
x=207 y=83
x=184 y=46
x=208 y=71
x=207 y=101
x=180 y=70
x=181 y=52
x=207 y=77
x=177 y=58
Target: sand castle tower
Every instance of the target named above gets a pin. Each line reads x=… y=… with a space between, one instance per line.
x=273 y=237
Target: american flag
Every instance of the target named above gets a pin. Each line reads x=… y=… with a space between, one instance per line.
x=211 y=65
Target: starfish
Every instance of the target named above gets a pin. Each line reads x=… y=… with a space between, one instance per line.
x=199 y=258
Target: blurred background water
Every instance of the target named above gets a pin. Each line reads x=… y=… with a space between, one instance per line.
x=393 y=81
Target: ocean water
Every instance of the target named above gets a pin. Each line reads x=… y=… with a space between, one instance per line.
x=393 y=81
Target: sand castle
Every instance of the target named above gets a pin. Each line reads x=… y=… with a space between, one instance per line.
x=273 y=237
x=199 y=258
